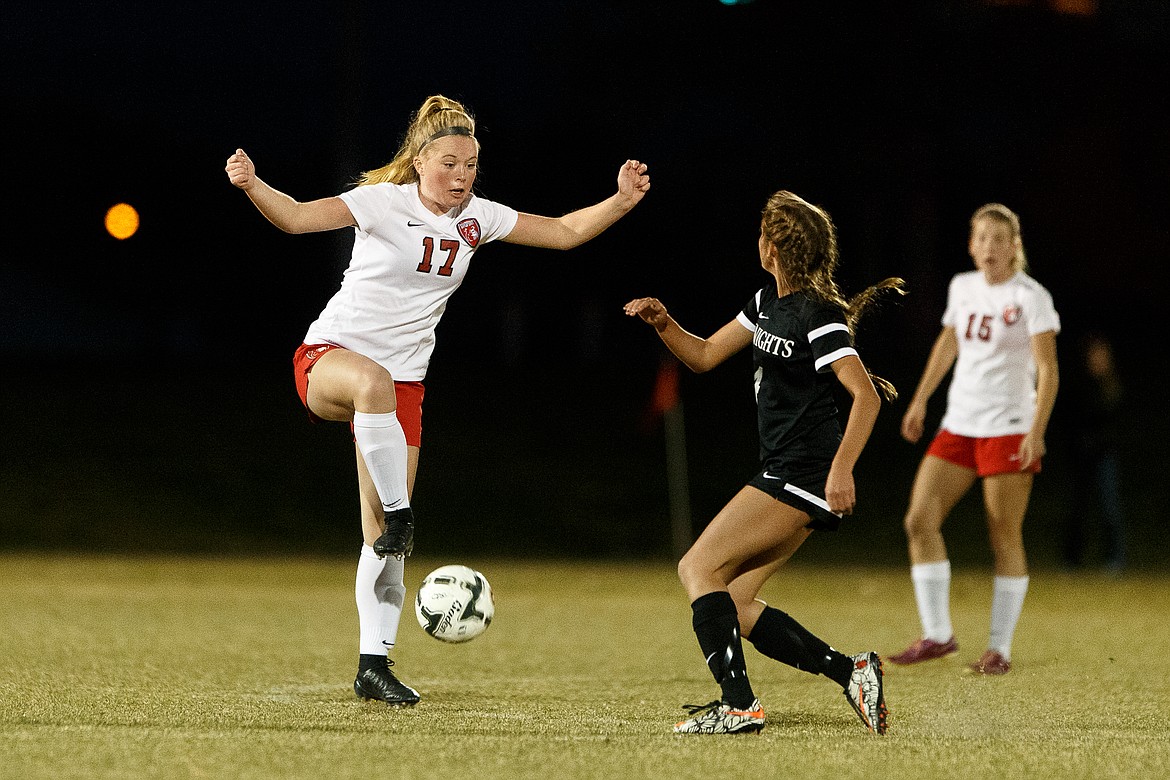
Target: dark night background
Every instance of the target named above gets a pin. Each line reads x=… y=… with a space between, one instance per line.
x=147 y=385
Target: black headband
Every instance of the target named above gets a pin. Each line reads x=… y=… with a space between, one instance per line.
x=451 y=130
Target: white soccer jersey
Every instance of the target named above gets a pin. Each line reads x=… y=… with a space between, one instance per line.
x=406 y=263
x=993 y=389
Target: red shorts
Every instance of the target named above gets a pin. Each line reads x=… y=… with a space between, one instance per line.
x=408 y=395
x=985 y=456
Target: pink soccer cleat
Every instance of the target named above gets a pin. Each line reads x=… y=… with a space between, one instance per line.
x=991 y=662
x=925 y=650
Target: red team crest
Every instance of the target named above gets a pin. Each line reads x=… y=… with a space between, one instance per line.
x=1011 y=314
x=469 y=229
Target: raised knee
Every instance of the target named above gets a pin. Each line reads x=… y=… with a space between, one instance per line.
x=375 y=389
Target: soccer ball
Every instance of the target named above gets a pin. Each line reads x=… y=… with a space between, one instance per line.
x=454 y=604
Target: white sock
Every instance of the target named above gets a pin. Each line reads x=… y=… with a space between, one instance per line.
x=932 y=591
x=383 y=446
x=1007 y=600
x=380 y=594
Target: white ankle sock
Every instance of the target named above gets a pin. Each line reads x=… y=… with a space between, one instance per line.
x=380 y=594
x=383 y=446
x=1007 y=601
x=932 y=592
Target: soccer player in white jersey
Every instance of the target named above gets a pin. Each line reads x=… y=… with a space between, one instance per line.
x=999 y=334
x=800 y=329
x=417 y=225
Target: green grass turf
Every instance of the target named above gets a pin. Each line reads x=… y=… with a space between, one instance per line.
x=143 y=667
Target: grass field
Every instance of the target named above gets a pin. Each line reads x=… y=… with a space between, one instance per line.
x=144 y=667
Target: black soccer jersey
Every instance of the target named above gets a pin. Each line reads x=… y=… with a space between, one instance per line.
x=796 y=339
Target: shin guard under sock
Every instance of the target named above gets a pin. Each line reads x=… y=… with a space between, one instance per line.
x=716 y=624
x=779 y=637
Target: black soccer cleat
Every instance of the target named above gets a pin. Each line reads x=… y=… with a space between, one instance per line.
x=398 y=538
x=382 y=685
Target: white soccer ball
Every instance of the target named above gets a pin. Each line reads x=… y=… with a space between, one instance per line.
x=454 y=604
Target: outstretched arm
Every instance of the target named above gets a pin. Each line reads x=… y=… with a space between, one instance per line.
x=288 y=214
x=942 y=357
x=579 y=226
x=697 y=354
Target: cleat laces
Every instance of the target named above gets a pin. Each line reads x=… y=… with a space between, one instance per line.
x=695 y=709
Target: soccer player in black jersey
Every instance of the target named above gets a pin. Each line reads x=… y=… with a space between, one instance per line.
x=800 y=329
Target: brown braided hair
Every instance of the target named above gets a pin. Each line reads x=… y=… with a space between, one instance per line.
x=806 y=242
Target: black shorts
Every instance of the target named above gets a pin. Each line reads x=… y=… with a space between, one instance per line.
x=803 y=489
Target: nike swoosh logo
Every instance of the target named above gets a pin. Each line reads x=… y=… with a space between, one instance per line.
x=391 y=505
x=771 y=476
x=412 y=223
x=763 y=316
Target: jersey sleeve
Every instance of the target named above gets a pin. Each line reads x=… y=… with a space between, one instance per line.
x=829 y=337
x=496 y=219
x=949 y=315
x=369 y=204
x=1041 y=314
x=750 y=313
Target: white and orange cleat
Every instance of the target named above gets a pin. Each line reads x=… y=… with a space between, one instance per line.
x=865 y=693
x=720 y=718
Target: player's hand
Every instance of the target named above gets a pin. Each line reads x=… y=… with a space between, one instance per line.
x=240 y=170
x=633 y=181
x=650 y=310
x=840 y=491
x=1031 y=450
x=914 y=423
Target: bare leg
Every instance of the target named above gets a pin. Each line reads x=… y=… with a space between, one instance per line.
x=747 y=586
x=1006 y=499
x=343 y=382
x=744 y=535
x=938 y=486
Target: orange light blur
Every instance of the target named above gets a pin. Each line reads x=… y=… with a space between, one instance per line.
x=122 y=221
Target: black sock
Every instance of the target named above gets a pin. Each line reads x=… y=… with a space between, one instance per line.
x=367 y=661
x=716 y=624
x=778 y=636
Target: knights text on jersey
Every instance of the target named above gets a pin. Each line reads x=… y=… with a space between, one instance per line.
x=993 y=387
x=795 y=341
x=406 y=263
